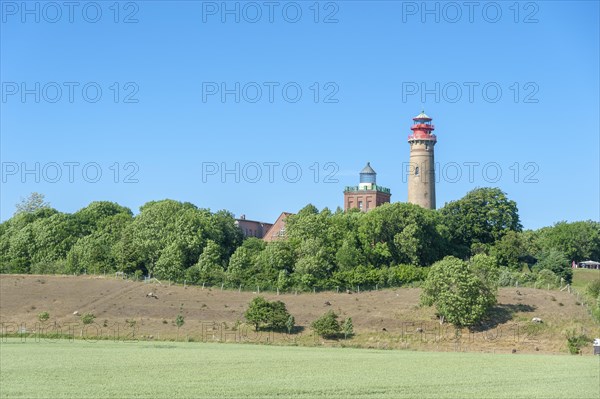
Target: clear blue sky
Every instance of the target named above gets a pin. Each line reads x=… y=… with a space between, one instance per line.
x=376 y=65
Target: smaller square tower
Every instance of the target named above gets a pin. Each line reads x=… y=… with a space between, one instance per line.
x=367 y=195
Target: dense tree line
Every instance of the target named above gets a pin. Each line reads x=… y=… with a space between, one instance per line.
x=390 y=245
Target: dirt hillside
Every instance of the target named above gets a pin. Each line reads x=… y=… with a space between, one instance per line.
x=385 y=319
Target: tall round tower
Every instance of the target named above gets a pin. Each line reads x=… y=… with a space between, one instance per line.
x=421 y=171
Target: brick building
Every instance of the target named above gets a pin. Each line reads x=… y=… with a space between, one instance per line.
x=277 y=230
x=367 y=195
x=252 y=228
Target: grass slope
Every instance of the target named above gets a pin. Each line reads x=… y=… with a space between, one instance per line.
x=79 y=369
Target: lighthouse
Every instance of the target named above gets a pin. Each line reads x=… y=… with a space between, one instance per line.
x=421 y=171
x=367 y=195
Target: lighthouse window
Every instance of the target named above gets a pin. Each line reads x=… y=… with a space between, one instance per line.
x=426 y=146
x=417 y=171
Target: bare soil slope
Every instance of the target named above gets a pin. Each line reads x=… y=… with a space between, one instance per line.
x=386 y=319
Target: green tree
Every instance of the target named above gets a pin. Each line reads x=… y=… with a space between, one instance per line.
x=347 y=327
x=578 y=241
x=262 y=313
x=278 y=316
x=171 y=263
x=312 y=264
x=400 y=233
x=239 y=268
x=484 y=267
x=276 y=256
x=290 y=324
x=555 y=261
x=349 y=255
x=484 y=216
x=327 y=325
x=95 y=252
x=210 y=265
x=458 y=293
x=179 y=322
x=258 y=312
x=34 y=202
x=98 y=214
x=509 y=250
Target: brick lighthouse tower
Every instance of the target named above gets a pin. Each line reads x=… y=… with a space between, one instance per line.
x=421 y=172
x=367 y=195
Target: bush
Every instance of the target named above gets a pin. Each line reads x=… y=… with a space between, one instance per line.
x=49 y=267
x=545 y=277
x=87 y=318
x=557 y=262
x=138 y=274
x=360 y=275
x=43 y=316
x=348 y=327
x=506 y=278
x=262 y=313
x=526 y=278
x=327 y=326
x=576 y=341
x=593 y=288
x=405 y=274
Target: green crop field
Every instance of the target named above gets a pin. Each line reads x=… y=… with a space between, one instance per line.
x=80 y=369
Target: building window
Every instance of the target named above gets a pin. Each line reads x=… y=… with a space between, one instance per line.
x=360 y=205
x=417 y=171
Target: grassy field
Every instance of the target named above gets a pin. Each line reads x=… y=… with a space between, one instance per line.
x=79 y=369
x=582 y=277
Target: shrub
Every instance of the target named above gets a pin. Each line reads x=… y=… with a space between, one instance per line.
x=87 y=318
x=43 y=316
x=405 y=274
x=576 y=341
x=506 y=278
x=557 y=262
x=593 y=289
x=327 y=326
x=290 y=324
x=138 y=274
x=545 y=277
x=347 y=327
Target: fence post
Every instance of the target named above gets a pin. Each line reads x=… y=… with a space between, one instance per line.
x=277 y=290
x=184 y=281
x=240 y=289
x=258 y=289
x=358 y=291
x=222 y=286
x=203 y=285
x=337 y=290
